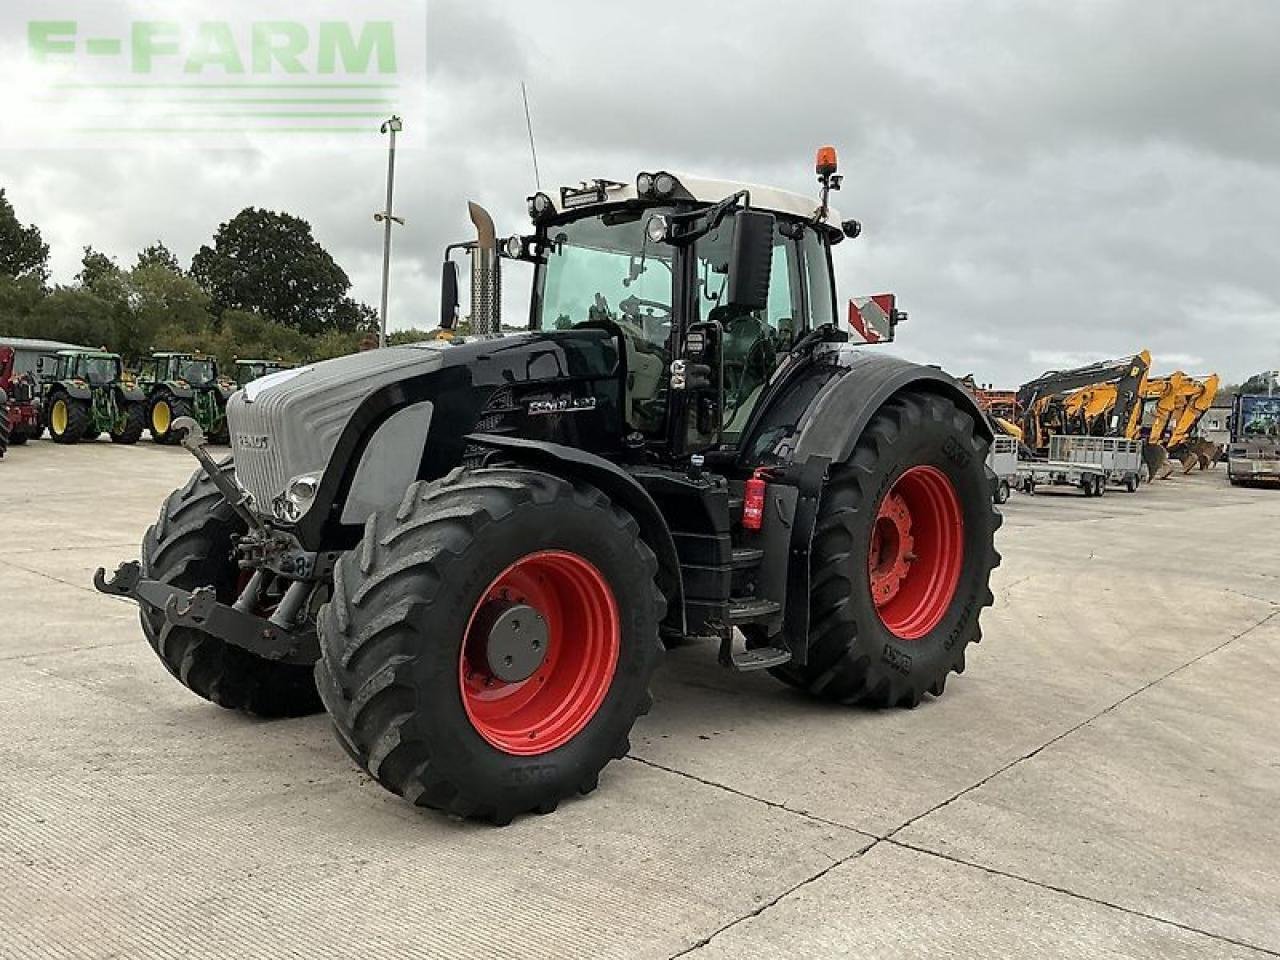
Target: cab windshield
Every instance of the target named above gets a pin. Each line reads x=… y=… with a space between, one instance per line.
x=1260 y=416
x=196 y=371
x=248 y=372
x=603 y=272
x=99 y=369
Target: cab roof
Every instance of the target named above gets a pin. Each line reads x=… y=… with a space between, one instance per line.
x=78 y=352
x=709 y=190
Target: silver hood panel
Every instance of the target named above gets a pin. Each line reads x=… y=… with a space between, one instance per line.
x=289 y=423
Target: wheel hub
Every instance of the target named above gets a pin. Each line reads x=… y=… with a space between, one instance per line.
x=891 y=549
x=539 y=652
x=516 y=644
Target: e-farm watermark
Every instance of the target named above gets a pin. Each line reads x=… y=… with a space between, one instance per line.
x=220 y=73
x=272 y=47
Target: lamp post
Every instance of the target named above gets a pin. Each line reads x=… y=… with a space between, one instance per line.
x=386 y=217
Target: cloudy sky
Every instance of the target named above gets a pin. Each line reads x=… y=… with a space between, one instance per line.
x=1041 y=183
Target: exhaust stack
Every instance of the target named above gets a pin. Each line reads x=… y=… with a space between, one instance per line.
x=486 y=274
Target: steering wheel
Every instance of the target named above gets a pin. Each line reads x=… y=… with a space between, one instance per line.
x=631 y=306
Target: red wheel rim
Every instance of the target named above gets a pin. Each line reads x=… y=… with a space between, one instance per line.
x=551 y=707
x=916 y=552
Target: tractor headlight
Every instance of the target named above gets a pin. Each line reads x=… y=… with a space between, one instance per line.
x=296 y=499
x=664 y=186
x=644 y=184
x=540 y=207
x=658 y=228
x=302 y=490
x=513 y=247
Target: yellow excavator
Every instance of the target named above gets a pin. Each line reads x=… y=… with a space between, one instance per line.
x=1172 y=408
x=1182 y=444
x=1101 y=399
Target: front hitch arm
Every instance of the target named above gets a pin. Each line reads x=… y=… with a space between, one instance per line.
x=192 y=439
x=200 y=610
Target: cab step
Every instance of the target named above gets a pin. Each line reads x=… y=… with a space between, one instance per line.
x=761 y=658
x=744 y=558
x=752 y=610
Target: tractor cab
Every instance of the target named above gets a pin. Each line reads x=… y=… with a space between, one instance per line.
x=706 y=286
x=194 y=370
x=94 y=368
x=249 y=370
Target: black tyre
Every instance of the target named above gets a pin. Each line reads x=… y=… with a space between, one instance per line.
x=4 y=424
x=1002 y=492
x=416 y=644
x=164 y=410
x=885 y=628
x=1131 y=483
x=69 y=419
x=190 y=546
x=135 y=421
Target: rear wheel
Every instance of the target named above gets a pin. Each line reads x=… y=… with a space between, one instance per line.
x=133 y=422
x=1002 y=492
x=902 y=556
x=69 y=419
x=165 y=409
x=190 y=546
x=489 y=644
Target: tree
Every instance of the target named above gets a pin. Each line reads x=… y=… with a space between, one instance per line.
x=76 y=316
x=158 y=255
x=270 y=262
x=96 y=268
x=161 y=305
x=22 y=251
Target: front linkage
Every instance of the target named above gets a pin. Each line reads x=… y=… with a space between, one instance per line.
x=275 y=636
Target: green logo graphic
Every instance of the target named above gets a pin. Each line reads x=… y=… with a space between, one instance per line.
x=96 y=70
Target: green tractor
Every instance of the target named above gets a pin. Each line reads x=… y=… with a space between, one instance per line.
x=249 y=370
x=185 y=385
x=86 y=396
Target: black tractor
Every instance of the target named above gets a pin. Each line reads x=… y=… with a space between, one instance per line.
x=472 y=553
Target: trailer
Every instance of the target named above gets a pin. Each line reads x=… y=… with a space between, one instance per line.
x=1090 y=478
x=1121 y=459
x=1003 y=461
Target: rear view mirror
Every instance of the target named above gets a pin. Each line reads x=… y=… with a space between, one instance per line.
x=752 y=260
x=449 y=296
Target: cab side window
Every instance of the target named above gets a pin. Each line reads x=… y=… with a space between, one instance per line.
x=753 y=341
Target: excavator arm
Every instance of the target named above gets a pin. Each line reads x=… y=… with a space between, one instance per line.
x=1101 y=399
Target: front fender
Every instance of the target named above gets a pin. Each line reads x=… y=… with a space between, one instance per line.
x=72 y=390
x=620 y=487
x=842 y=408
x=181 y=392
x=132 y=394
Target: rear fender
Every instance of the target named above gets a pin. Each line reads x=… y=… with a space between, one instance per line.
x=843 y=408
x=178 y=391
x=131 y=394
x=620 y=487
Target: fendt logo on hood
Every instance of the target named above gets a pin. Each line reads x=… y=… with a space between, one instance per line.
x=253 y=441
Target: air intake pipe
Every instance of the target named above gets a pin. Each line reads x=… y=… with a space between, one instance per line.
x=486 y=274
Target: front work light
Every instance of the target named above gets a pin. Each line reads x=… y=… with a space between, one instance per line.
x=658 y=228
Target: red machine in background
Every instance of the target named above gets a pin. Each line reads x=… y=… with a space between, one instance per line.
x=24 y=403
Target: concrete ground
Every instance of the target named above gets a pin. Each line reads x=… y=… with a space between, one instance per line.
x=1104 y=781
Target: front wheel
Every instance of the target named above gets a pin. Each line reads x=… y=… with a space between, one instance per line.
x=191 y=545
x=902 y=558
x=489 y=644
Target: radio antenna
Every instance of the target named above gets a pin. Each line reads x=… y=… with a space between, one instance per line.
x=533 y=149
